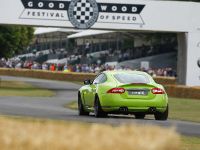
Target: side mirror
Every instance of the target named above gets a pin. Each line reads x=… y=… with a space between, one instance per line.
x=87 y=82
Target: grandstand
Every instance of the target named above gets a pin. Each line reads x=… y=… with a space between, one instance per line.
x=129 y=49
x=167 y=60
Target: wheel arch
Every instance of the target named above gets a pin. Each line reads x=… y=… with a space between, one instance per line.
x=96 y=96
x=99 y=98
x=81 y=96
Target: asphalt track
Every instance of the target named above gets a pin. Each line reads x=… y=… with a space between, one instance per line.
x=52 y=107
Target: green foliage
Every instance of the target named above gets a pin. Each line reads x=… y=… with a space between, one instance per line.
x=14 y=39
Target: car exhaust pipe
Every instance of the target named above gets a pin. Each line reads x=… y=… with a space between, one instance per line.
x=152 y=109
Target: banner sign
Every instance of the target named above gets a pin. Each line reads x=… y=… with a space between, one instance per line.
x=83 y=14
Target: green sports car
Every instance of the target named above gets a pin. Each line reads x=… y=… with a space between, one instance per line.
x=123 y=92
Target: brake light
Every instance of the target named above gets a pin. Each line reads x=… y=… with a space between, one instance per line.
x=157 y=91
x=116 y=90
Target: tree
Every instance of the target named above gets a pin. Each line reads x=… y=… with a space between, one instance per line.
x=14 y=39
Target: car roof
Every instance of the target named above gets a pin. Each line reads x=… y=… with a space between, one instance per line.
x=113 y=72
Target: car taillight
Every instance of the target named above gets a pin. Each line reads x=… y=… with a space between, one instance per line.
x=116 y=90
x=157 y=91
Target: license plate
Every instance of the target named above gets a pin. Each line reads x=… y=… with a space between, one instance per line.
x=137 y=92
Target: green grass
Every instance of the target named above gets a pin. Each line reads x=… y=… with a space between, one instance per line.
x=18 y=88
x=184 y=109
x=179 y=109
x=190 y=143
x=78 y=82
x=72 y=105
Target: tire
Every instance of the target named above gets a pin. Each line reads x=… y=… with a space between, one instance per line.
x=81 y=111
x=162 y=115
x=98 y=112
x=139 y=116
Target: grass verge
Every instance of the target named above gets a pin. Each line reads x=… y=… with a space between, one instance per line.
x=78 y=82
x=72 y=105
x=45 y=134
x=180 y=109
x=18 y=88
x=190 y=143
x=184 y=109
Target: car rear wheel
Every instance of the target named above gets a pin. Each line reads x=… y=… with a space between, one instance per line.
x=98 y=112
x=162 y=115
x=81 y=111
x=139 y=116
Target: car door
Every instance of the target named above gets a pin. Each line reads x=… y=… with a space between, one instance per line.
x=92 y=90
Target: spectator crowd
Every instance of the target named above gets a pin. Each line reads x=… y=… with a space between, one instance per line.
x=85 y=68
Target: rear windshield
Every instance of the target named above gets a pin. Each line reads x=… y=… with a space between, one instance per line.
x=131 y=78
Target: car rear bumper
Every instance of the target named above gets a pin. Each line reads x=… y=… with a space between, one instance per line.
x=146 y=110
x=112 y=103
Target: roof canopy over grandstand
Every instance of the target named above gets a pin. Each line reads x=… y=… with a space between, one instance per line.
x=88 y=33
x=45 y=30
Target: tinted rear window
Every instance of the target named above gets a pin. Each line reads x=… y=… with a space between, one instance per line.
x=131 y=78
